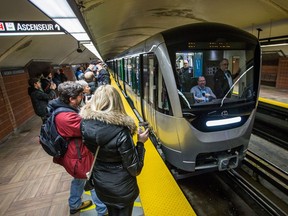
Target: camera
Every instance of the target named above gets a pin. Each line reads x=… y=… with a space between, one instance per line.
x=79 y=50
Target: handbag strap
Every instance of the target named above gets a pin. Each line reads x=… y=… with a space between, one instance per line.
x=88 y=174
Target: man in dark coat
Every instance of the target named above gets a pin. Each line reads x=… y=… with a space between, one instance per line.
x=223 y=79
x=39 y=98
x=186 y=75
x=103 y=76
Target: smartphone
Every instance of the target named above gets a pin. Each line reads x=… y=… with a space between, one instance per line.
x=143 y=126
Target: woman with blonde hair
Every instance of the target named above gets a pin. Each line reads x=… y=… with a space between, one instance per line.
x=106 y=124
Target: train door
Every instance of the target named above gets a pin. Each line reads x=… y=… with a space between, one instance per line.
x=130 y=81
x=136 y=82
x=150 y=75
x=121 y=74
x=115 y=70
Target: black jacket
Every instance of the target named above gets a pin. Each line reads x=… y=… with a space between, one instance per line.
x=119 y=161
x=39 y=100
x=103 y=77
x=221 y=84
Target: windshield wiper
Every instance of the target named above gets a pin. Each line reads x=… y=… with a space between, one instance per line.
x=222 y=101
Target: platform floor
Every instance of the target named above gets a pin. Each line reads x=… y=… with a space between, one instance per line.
x=271 y=94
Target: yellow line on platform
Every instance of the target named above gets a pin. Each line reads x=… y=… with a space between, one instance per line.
x=273 y=102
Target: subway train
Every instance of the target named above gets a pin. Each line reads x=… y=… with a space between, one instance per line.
x=193 y=136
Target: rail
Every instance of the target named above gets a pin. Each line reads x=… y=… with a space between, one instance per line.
x=271 y=123
x=266 y=204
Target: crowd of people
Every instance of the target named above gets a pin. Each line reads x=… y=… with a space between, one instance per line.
x=97 y=118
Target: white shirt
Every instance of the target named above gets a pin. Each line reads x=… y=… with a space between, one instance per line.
x=229 y=78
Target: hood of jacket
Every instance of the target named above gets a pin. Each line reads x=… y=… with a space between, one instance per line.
x=108 y=125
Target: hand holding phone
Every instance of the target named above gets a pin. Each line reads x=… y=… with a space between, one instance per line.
x=143 y=132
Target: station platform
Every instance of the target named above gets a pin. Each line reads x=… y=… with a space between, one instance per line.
x=31 y=184
x=278 y=97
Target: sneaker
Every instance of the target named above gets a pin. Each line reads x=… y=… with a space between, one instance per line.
x=84 y=205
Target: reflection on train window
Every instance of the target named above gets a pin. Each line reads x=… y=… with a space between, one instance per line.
x=235 y=82
x=163 y=104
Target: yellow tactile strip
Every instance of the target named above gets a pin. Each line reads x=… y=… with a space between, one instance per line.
x=160 y=195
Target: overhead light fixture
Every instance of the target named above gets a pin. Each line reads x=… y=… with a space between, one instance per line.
x=274 y=41
x=92 y=49
x=273 y=45
x=61 y=12
x=81 y=36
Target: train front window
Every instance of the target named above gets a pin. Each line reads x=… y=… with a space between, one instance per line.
x=216 y=77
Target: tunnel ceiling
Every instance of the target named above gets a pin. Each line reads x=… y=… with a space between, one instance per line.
x=116 y=25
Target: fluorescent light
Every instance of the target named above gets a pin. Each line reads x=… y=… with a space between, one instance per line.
x=92 y=49
x=272 y=45
x=54 y=8
x=31 y=33
x=81 y=36
x=61 y=12
x=223 y=122
x=72 y=25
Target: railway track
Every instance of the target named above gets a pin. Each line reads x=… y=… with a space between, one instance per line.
x=271 y=123
x=261 y=184
x=270 y=172
x=256 y=196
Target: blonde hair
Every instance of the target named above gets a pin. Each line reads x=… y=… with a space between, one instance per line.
x=106 y=99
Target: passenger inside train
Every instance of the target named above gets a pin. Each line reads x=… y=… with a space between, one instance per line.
x=201 y=92
x=185 y=76
x=223 y=79
x=211 y=65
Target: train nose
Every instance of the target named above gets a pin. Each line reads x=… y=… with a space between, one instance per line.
x=227 y=162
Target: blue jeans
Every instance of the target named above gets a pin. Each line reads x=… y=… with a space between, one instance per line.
x=100 y=206
x=76 y=191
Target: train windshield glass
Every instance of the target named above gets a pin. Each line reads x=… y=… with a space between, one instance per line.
x=217 y=77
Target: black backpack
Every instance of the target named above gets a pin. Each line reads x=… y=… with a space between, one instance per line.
x=52 y=142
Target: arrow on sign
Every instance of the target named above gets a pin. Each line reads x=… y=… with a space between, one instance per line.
x=57 y=27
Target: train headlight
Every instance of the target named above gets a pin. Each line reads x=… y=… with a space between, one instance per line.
x=227 y=121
